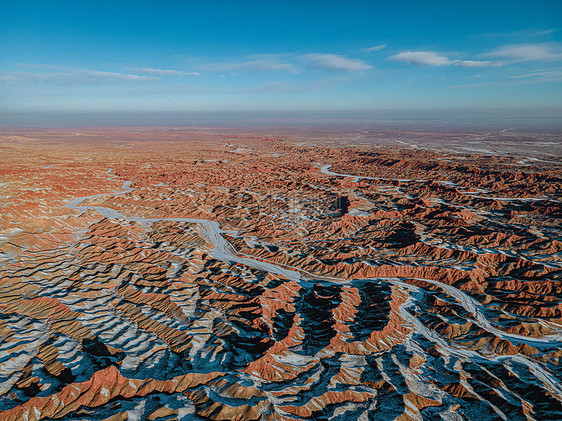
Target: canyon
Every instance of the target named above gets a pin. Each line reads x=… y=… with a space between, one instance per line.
x=170 y=273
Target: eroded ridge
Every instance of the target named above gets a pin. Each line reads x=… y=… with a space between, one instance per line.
x=245 y=277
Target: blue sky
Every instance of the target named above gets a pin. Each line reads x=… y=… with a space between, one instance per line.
x=222 y=56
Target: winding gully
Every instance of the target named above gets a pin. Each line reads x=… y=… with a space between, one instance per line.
x=224 y=251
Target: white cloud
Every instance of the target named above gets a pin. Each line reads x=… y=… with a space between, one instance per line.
x=528 y=52
x=76 y=76
x=163 y=72
x=479 y=63
x=542 y=76
x=150 y=71
x=433 y=58
x=540 y=33
x=375 y=48
x=423 y=58
x=256 y=63
x=98 y=75
x=546 y=76
x=335 y=62
x=521 y=35
x=291 y=63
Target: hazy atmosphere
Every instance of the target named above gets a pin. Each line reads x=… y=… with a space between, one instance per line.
x=88 y=58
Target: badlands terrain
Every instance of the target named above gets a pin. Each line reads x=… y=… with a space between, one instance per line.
x=161 y=274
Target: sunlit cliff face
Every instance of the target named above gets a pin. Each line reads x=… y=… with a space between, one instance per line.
x=155 y=274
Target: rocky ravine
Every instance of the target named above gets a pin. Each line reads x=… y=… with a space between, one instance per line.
x=241 y=277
